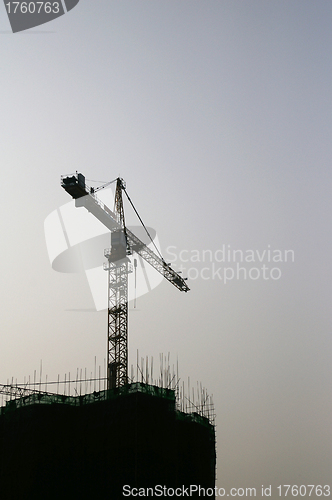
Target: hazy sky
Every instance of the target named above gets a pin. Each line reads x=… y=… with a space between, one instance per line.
x=218 y=116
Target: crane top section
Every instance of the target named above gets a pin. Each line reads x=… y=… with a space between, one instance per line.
x=85 y=196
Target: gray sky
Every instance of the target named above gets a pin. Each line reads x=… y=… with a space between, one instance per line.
x=218 y=116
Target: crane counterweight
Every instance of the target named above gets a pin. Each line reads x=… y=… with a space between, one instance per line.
x=74 y=185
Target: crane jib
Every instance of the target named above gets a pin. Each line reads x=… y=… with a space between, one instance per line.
x=85 y=197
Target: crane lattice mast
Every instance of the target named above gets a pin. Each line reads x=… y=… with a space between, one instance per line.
x=118 y=267
x=123 y=243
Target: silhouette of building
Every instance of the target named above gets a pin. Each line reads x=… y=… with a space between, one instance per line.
x=91 y=446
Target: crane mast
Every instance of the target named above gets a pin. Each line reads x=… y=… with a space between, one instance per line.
x=118 y=266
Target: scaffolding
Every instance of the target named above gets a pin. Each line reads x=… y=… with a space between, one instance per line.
x=17 y=396
x=190 y=400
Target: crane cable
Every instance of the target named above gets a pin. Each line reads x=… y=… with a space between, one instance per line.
x=101 y=187
x=147 y=232
x=129 y=199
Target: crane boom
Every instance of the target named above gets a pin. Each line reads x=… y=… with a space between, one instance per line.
x=85 y=197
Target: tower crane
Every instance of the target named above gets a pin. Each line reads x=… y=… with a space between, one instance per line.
x=123 y=244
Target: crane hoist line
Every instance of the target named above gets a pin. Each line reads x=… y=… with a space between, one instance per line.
x=123 y=244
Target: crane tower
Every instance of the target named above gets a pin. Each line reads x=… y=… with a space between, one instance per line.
x=123 y=244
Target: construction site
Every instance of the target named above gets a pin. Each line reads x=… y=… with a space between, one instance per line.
x=84 y=437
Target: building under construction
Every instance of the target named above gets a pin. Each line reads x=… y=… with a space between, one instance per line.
x=130 y=433
x=57 y=446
